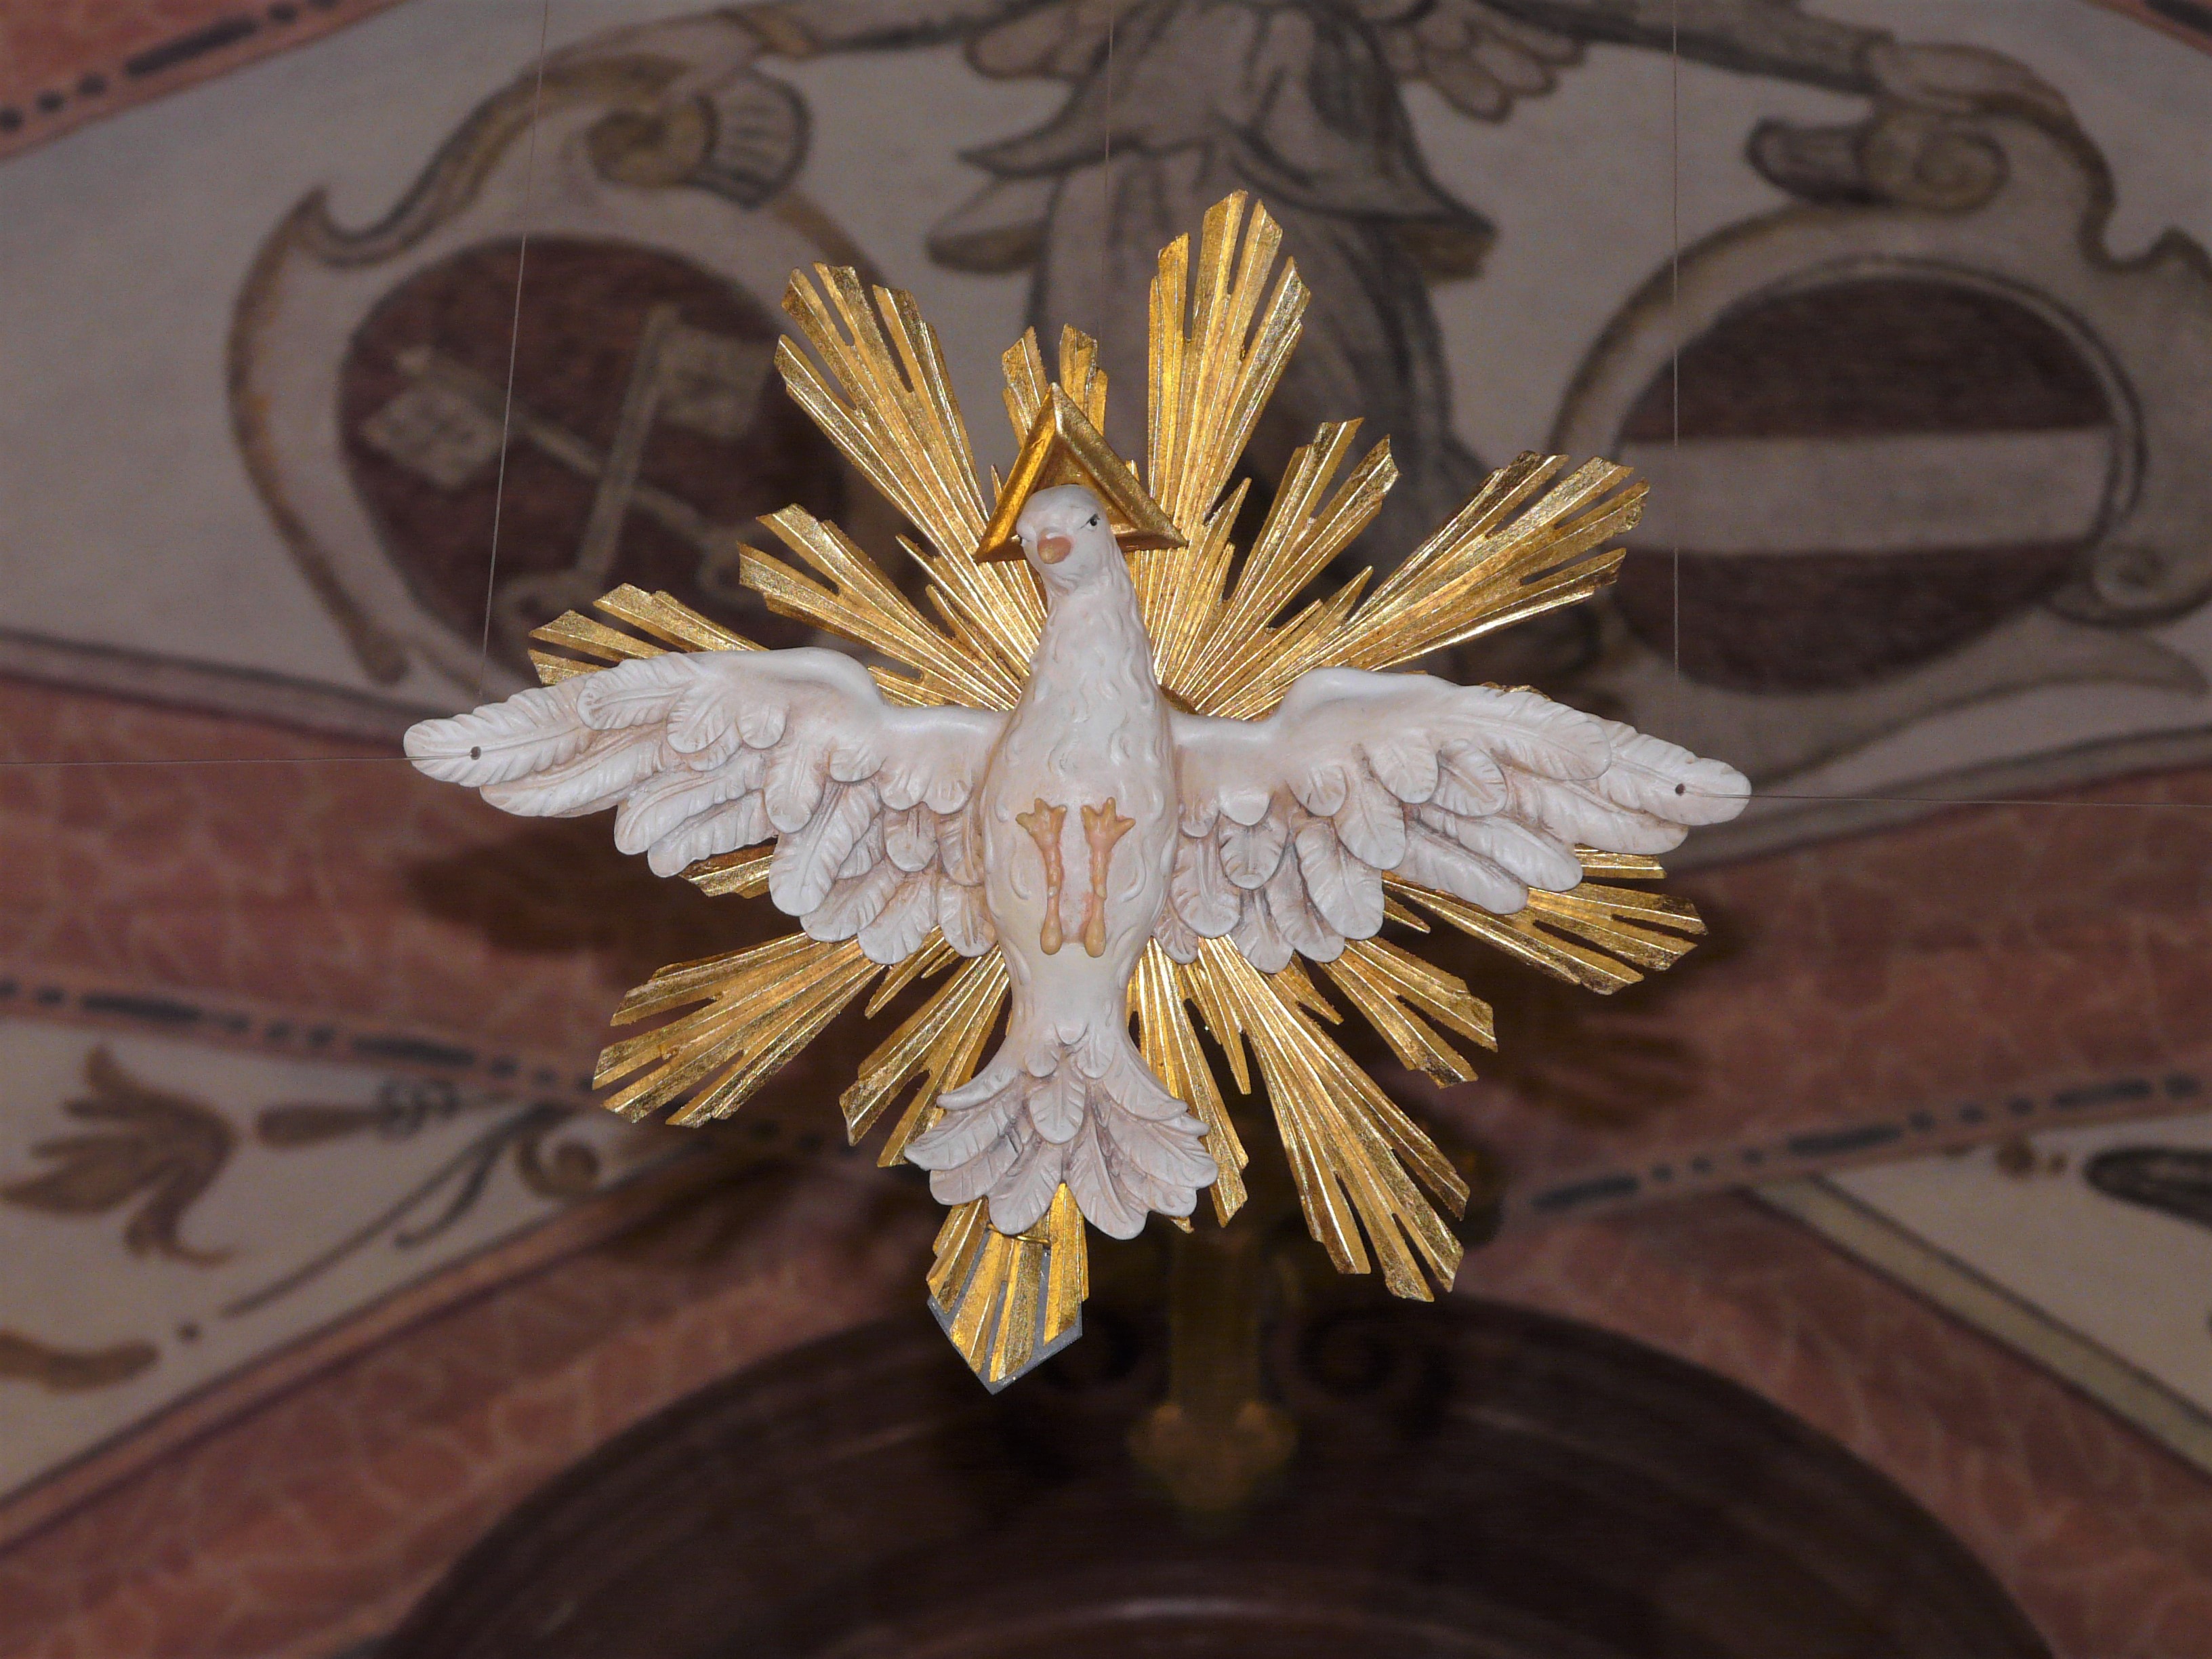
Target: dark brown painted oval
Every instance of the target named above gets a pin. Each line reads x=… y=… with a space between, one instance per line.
x=1873 y=356
x=728 y=444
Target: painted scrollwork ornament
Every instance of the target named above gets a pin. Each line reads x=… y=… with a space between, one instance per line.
x=1112 y=784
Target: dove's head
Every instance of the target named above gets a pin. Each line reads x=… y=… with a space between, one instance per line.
x=1067 y=537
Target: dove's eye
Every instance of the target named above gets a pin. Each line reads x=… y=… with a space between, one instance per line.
x=1091 y=523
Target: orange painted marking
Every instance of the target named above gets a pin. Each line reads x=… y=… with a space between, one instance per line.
x=1102 y=828
x=1043 y=825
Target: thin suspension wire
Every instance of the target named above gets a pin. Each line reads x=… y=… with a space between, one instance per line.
x=1986 y=800
x=1756 y=795
x=1674 y=301
x=242 y=760
x=1106 y=195
x=513 y=345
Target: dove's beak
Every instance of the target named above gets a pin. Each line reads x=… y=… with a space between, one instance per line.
x=1051 y=550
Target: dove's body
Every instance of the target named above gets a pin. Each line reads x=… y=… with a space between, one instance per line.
x=1091 y=728
x=1068 y=1097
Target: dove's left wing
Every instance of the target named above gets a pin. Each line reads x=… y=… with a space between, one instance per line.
x=1290 y=823
x=706 y=752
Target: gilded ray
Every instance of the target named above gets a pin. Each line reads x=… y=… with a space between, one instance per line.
x=1398 y=995
x=669 y=620
x=937 y=1045
x=862 y=604
x=1212 y=371
x=589 y=637
x=899 y=421
x=1169 y=1041
x=900 y=424
x=1350 y=1148
x=741 y=874
x=1010 y=1301
x=1302 y=532
x=761 y=1007
x=1630 y=930
x=1028 y=387
x=1500 y=560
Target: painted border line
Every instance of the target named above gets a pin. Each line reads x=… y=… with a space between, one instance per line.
x=64 y=996
x=141 y=64
x=2166 y=1089
x=1891 y=1250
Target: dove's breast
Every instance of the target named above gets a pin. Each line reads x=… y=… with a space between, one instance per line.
x=1090 y=732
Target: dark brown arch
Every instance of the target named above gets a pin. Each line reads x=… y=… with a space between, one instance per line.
x=1471 y=1481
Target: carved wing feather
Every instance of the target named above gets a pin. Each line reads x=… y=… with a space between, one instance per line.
x=1290 y=823
x=701 y=753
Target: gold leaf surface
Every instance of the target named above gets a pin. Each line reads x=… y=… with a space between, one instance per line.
x=1211 y=372
x=939 y=1044
x=761 y=1006
x=1501 y=560
x=1349 y=1145
x=1555 y=933
x=1009 y=1302
x=1399 y=993
x=862 y=604
x=1169 y=1041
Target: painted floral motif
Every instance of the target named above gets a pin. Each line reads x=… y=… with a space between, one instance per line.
x=160 y=1151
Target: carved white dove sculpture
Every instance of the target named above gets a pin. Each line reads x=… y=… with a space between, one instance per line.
x=1090 y=819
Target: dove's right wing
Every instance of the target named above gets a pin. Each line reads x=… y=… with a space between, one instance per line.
x=706 y=752
x=1290 y=823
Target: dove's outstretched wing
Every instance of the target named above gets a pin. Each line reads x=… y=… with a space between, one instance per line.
x=706 y=752
x=1291 y=823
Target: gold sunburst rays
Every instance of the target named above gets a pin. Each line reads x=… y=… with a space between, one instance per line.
x=1354 y=1154
x=662 y=620
x=1212 y=371
x=899 y=422
x=1595 y=935
x=1230 y=636
x=1400 y=994
x=861 y=604
x=1009 y=1301
x=937 y=1046
x=760 y=1007
x=1159 y=997
x=1210 y=644
x=1502 y=559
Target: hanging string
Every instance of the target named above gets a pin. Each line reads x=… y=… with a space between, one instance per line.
x=499 y=488
x=1984 y=800
x=1106 y=194
x=1756 y=795
x=246 y=760
x=1674 y=300
x=513 y=345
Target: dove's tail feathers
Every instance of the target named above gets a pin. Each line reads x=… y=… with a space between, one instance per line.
x=1089 y=1113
